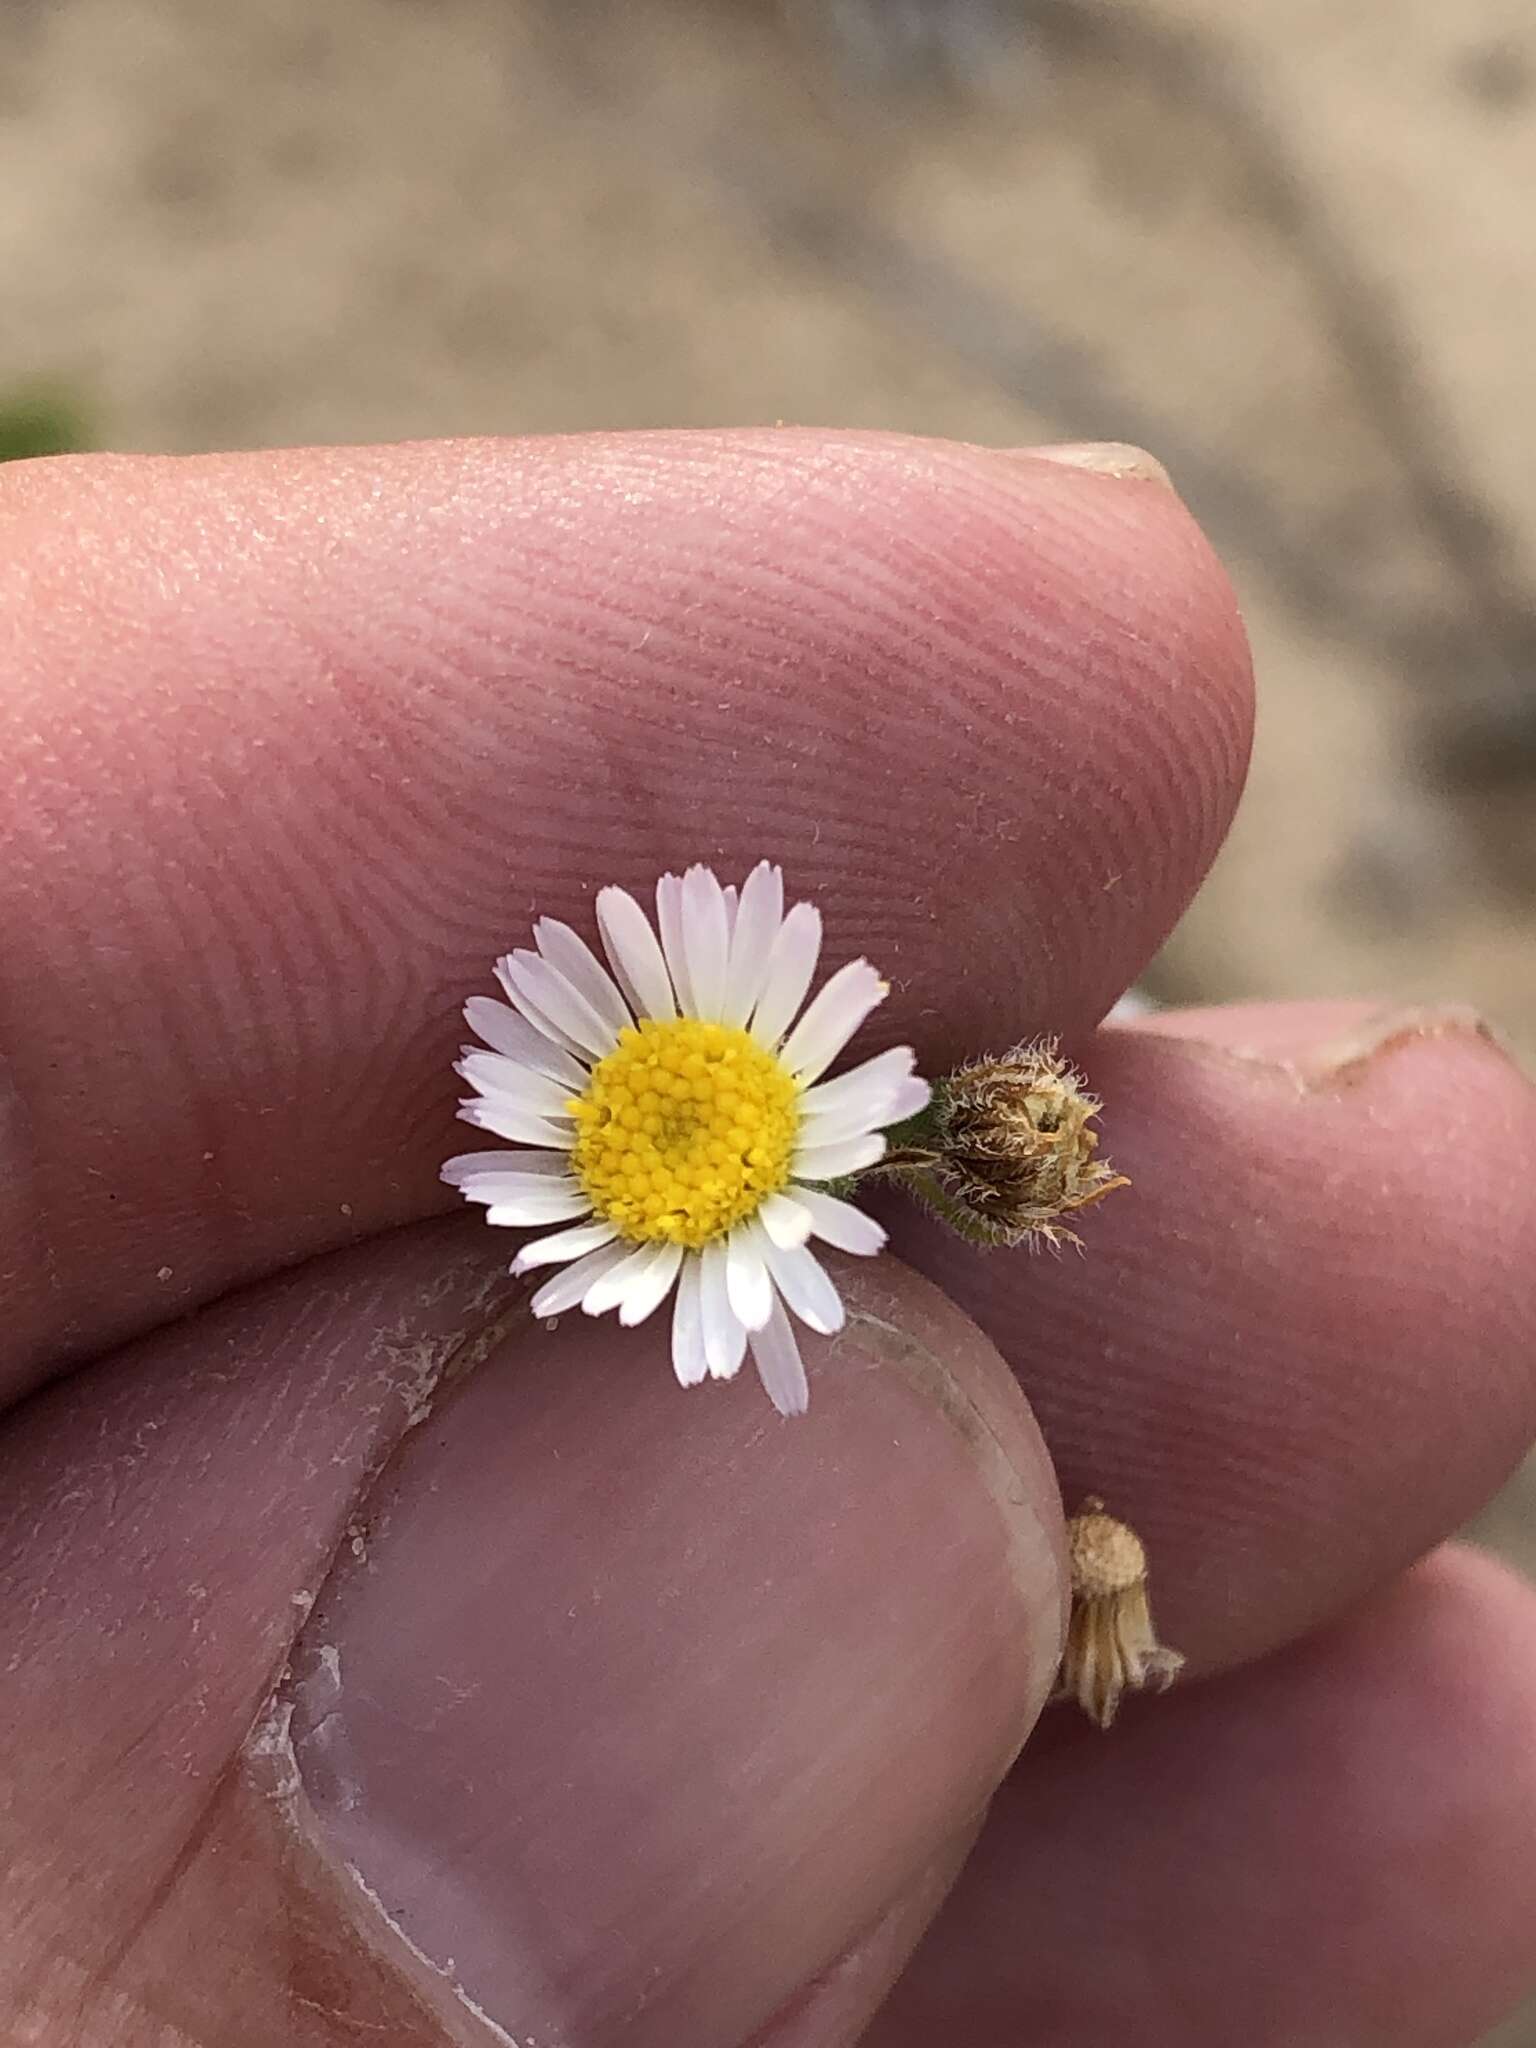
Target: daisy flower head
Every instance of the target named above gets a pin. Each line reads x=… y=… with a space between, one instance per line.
x=673 y=1121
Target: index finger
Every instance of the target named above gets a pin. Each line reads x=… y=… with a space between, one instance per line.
x=300 y=741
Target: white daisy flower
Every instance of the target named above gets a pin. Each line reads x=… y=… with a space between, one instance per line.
x=678 y=1122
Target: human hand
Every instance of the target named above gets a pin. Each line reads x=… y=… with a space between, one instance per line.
x=622 y=1714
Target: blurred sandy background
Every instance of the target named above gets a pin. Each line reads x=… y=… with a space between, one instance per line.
x=1287 y=245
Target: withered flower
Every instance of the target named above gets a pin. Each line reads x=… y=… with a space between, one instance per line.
x=1008 y=1149
x=1112 y=1646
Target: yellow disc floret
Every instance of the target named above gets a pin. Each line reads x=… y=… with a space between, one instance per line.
x=684 y=1130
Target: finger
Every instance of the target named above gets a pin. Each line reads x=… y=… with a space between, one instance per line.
x=304 y=740
x=1295 y=1353
x=1336 y=1845
x=618 y=1713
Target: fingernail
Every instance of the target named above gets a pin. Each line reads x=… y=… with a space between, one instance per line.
x=1105 y=458
x=643 y=1704
x=1329 y=1046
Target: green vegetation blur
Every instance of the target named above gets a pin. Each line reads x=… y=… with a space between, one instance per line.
x=39 y=423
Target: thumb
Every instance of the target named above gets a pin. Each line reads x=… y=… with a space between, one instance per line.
x=620 y=1714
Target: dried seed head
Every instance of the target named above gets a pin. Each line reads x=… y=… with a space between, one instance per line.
x=1112 y=1646
x=1106 y=1557
x=1016 y=1150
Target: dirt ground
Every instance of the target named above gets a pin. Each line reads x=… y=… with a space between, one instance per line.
x=1287 y=246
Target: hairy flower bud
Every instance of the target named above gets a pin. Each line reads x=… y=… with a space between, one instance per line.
x=1015 y=1148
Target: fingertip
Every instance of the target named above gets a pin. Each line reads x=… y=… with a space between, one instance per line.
x=360 y=714
x=1296 y=1352
x=1339 y=1843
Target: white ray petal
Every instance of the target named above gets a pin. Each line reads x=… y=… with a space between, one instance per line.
x=791 y=963
x=805 y=1285
x=520 y=1126
x=689 y=1359
x=610 y=1288
x=831 y=1162
x=564 y=1245
x=569 y=954
x=780 y=1367
x=835 y=1013
x=631 y=1285
x=747 y=1286
x=725 y=1338
x=832 y=1126
x=758 y=918
x=509 y=1185
x=546 y=991
x=706 y=940
x=650 y=1289
x=786 y=1220
x=669 y=922
x=910 y=1097
x=500 y=1079
x=873 y=1113
x=571 y=1282
x=838 y=1222
x=507 y=1032
x=731 y=894
x=466 y=1169
x=535 y=1017
x=873 y=1080
x=539 y=1205
x=634 y=954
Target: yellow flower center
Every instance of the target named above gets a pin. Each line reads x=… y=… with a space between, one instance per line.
x=684 y=1130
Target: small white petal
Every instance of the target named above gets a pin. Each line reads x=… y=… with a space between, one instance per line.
x=466 y=1169
x=546 y=991
x=564 y=1245
x=909 y=1098
x=540 y=1205
x=805 y=1285
x=650 y=1289
x=500 y=1079
x=838 y=1222
x=569 y=954
x=611 y=1287
x=779 y=1364
x=725 y=1337
x=786 y=1220
x=669 y=922
x=520 y=1126
x=706 y=940
x=689 y=1359
x=873 y=1082
x=572 y=1282
x=636 y=1285
x=636 y=958
x=873 y=1112
x=535 y=1017
x=507 y=1032
x=508 y=1185
x=730 y=893
x=833 y=1017
x=758 y=918
x=831 y=1162
x=747 y=1286
x=791 y=963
